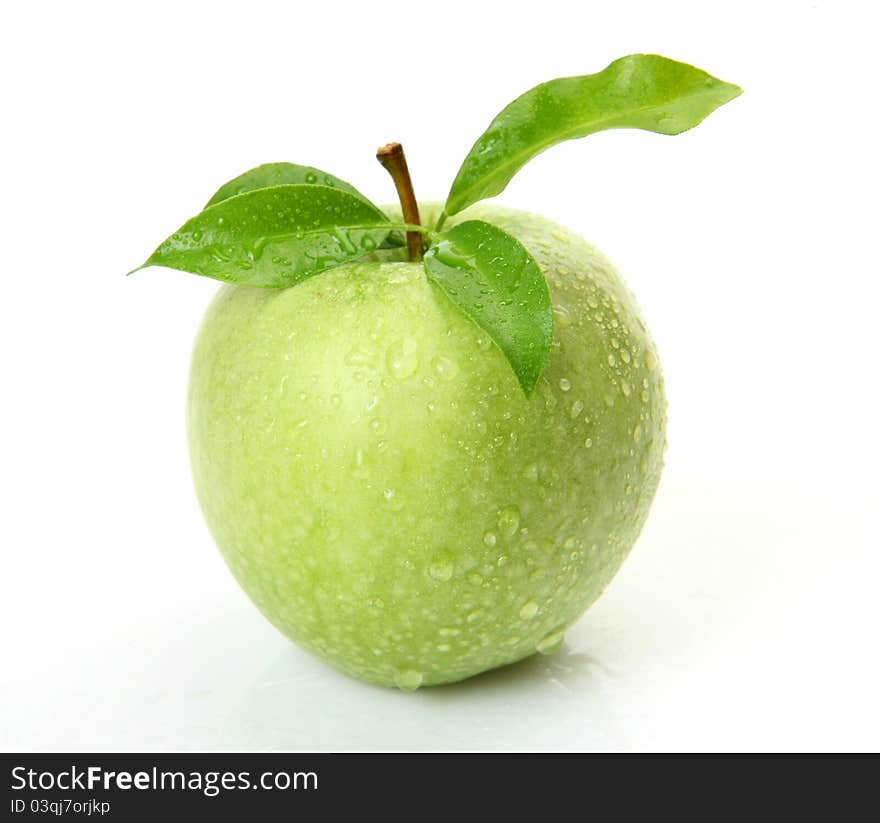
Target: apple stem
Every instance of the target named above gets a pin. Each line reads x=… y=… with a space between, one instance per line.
x=391 y=156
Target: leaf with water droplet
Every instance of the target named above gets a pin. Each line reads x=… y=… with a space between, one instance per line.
x=493 y=279
x=274 y=237
x=641 y=91
x=280 y=174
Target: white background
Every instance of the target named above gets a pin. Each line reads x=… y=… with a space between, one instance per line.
x=747 y=615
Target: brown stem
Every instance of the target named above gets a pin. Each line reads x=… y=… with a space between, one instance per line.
x=391 y=156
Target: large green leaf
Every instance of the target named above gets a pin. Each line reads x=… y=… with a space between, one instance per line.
x=274 y=237
x=642 y=91
x=279 y=174
x=493 y=279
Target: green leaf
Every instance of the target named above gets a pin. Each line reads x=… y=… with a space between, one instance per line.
x=279 y=174
x=492 y=278
x=274 y=237
x=642 y=91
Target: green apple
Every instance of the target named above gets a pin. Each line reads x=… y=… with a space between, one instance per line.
x=384 y=491
x=425 y=462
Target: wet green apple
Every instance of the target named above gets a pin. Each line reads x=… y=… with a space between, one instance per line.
x=381 y=486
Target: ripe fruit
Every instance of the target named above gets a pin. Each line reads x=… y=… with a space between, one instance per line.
x=382 y=488
x=427 y=462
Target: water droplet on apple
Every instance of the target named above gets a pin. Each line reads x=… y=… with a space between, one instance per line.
x=443 y=647
x=490 y=538
x=402 y=358
x=311 y=177
x=508 y=521
x=625 y=356
x=564 y=384
x=444 y=367
x=588 y=443
x=625 y=388
x=442 y=566
x=637 y=433
x=561 y=316
x=408 y=679
x=196 y=236
x=576 y=408
x=650 y=360
x=551 y=643
x=529 y=610
x=475 y=579
x=474 y=616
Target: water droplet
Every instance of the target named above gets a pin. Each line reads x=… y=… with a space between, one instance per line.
x=355 y=358
x=444 y=367
x=508 y=521
x=311 y=177
x=402 y=358
x=196 y=236
x=475 y=579
x=408 y=679
x=564 y=384
x=442 y=566
x=624 y=355
x=490 y=538
x=561 y=316
x=529 y=610
x=637 y=433
x=449 y=631
x=650 y=360
x=612 y=360
x=502 y=561
x=367 y=243
x=474 y=616
x=551 y=643
x=576 y=408
x=625 y=388
x=443 y=647
x=588 y=443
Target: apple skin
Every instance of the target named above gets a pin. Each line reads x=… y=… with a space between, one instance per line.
x=381 y=487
